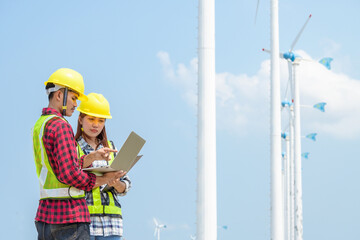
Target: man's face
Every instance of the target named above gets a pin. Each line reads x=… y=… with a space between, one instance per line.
x=71 y=103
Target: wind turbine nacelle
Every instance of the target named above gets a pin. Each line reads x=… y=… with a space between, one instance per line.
x=284 y=135
x=286 y=104
x=290 y=56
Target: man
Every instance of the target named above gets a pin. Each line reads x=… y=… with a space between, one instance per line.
x=62 y=211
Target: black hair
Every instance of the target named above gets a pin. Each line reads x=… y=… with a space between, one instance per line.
x=50 y=85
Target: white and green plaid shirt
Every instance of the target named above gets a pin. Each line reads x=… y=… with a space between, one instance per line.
x=104 y=225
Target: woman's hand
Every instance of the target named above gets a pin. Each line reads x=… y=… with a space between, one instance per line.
x=103 y=154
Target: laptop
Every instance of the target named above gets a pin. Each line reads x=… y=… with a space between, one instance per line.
x=126 y=157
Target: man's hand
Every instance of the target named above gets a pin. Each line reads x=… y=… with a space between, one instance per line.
x=109 y=177
x=114 y=176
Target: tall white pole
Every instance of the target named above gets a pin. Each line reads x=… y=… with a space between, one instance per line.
x=277 y=208
x=297 y=155
x=292 y=174
x=206 y=169
x=287 y=188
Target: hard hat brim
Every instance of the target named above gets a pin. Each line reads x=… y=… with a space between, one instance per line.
x=95 y=115
x=81 y=97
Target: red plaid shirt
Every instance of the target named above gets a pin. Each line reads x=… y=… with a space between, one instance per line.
x=61 y=150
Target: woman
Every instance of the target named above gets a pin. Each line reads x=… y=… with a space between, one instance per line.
x=103 y=204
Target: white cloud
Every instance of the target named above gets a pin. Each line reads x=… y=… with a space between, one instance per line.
x=184 y=77
x=339 y=91
x=243 y=100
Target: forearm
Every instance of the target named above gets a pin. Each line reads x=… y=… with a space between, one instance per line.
x=68 y=172
x=88 y=160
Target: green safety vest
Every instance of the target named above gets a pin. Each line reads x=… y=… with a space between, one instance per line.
x=50 y=186
x=99 y=207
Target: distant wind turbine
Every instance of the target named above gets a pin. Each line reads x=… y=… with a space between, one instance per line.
x=293 y=63
x=157 y=228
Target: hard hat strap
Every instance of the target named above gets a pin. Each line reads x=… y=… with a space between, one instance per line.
x=64 y=102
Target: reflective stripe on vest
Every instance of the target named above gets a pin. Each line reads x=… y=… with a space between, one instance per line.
x=50 y=186
x=100 y=208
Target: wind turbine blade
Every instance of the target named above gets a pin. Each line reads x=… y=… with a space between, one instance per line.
x=307 y=60
x=311 y=136
x=320 y=106
x=266 y=50
x=256 y=13
x=326 y=62
x=305 y=155
x=156 y=223
x=299 y=34
x=156 y=229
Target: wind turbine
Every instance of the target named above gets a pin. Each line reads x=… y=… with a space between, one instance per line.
x=293 y=63
x=157 y=229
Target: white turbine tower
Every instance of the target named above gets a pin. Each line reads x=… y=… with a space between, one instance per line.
x=277 y=209
x=206 y=213
x=158 y=228
x=295 y=89
x=276 y=191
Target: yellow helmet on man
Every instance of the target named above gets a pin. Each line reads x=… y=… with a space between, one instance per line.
x=96 y=105
x=69 y=78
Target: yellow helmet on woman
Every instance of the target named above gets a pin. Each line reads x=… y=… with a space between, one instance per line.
x=96 y=106
x=69 y=78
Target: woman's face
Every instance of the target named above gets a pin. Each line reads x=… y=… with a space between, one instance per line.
x=92 y=126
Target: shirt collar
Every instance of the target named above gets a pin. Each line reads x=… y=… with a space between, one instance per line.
x=84 y=145
x=51 y=111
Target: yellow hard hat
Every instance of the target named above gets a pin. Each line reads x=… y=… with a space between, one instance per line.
x=96 y=106
x=68 y=78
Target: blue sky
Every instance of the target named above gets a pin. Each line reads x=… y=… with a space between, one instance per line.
x=141 y=55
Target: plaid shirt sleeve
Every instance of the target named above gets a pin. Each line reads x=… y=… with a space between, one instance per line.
x=61 y=148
